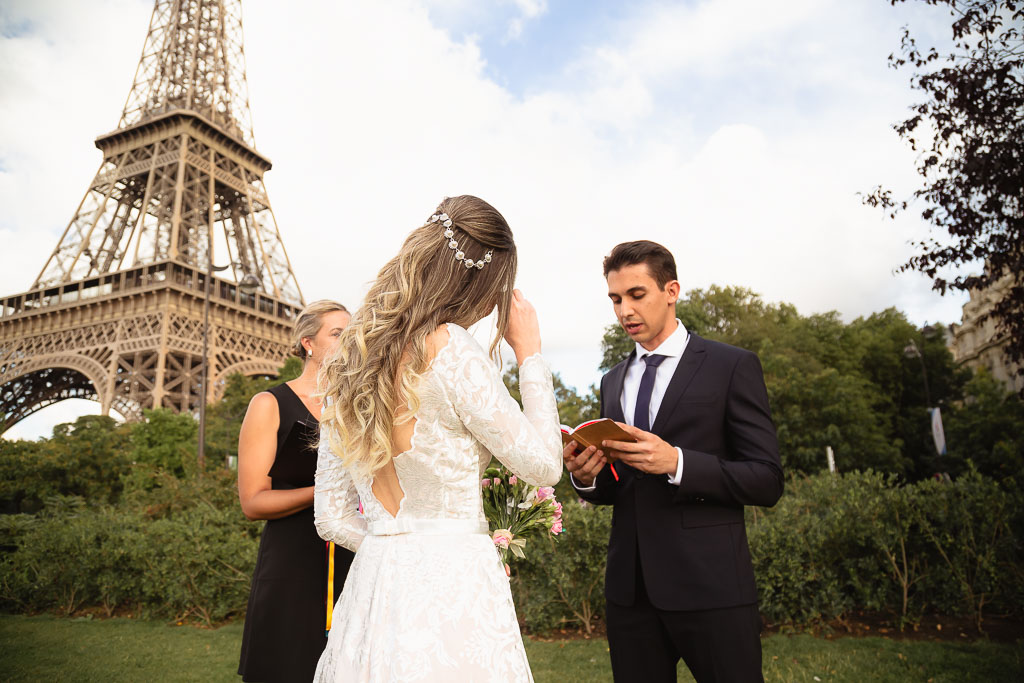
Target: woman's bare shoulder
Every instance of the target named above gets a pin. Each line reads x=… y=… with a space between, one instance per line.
x=263 y=404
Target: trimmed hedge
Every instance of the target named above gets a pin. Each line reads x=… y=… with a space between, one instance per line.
x=833 y=545
x=181 y=549
x=857 y=541
x=176 y=555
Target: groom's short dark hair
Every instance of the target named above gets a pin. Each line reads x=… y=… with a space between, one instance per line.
x=658 y=259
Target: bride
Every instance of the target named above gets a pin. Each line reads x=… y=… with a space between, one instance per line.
x=415 y=409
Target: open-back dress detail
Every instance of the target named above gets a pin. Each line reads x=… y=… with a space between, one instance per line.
x=427 y=598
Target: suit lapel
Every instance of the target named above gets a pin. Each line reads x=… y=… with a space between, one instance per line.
x=691 y=361
x=616 y=376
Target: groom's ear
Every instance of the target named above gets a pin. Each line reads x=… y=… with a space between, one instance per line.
x=672 y=288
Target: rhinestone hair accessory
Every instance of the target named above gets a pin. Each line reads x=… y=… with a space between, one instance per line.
x=449 y=235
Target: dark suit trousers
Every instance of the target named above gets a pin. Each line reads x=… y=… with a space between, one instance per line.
x=718 y=645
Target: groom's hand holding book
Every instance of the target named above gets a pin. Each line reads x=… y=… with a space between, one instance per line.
x=586 y=464
x=643 y=451
x=640 y=450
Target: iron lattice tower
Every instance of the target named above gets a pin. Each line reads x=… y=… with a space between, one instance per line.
x=116 y=314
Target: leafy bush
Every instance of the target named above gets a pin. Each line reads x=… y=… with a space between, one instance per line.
x=836 y=543
x=181 y=549
x=196 y=564
x=833 y=545
x=180 y=552
x=67 y=557
x=563 y=583
x=974 y=555
x=795 y=545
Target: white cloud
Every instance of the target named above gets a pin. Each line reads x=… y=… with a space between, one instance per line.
x=62 y=83
x=707 y=35
x=528 y=9
x=372 y=112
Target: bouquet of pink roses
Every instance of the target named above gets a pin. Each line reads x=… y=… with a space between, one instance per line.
x=517 y=511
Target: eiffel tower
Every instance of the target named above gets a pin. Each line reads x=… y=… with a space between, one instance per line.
x=117 y=312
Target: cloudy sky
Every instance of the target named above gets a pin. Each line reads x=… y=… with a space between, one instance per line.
x=735 y=132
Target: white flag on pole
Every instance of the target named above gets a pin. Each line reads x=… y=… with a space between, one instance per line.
x=938 y=435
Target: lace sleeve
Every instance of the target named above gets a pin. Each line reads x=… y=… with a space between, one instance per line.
x=526 y=441
x=335 y=500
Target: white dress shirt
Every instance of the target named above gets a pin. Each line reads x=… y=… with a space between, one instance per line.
x=672 y=348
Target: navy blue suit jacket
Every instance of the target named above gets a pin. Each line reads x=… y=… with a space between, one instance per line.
x=691 y=538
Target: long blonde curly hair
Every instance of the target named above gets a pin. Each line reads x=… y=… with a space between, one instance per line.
x=421 y=288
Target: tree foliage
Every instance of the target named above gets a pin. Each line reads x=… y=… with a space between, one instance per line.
x=85 y=458
x=101 y=460
x=852 y=387
x=969 y=131
x=224 y=418
x=988 y=428
x=166 y=440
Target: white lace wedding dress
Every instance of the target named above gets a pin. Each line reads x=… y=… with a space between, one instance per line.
x=427 y=598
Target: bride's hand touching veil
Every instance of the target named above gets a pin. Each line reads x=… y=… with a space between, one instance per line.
x=523 y=333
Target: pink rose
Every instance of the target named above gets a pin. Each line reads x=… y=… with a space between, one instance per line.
x=556 y=526
x=558 y=511
x=513 y=480
x=484 y=483
x=497 y=480
x=502 y=538
x=545 y=492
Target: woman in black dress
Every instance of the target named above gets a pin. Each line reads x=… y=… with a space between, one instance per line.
x=285 y=622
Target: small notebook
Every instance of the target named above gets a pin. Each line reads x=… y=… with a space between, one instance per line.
x=594 y=432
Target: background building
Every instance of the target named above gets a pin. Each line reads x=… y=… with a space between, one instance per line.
x=977 y=341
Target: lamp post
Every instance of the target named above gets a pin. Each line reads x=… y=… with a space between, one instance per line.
x=911 y=350
x=938 y=434
x=248 y=285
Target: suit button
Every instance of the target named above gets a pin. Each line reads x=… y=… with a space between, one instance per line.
x=700 y=500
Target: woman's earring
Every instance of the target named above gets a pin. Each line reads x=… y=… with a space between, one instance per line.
x=309 y=352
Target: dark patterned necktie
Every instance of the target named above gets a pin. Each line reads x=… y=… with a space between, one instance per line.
x=642 y=414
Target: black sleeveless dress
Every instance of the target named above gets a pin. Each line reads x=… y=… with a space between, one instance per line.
x=285 y=621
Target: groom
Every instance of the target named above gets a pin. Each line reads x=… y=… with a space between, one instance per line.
x=679 y=581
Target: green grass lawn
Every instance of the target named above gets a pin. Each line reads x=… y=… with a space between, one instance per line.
x=46 y=648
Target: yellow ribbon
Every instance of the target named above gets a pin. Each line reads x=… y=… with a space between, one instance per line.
x=330 y=585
